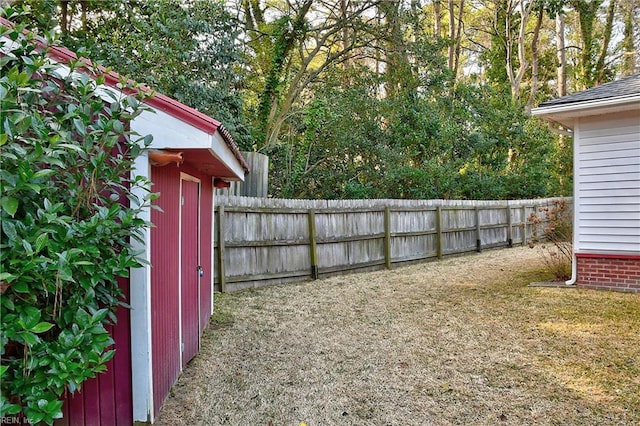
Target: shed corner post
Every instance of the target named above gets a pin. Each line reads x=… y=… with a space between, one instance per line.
x=140 y=312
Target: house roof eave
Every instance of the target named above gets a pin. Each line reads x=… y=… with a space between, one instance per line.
x=565 y=114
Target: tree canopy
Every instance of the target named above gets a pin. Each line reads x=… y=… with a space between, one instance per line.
x=68 y=210
x=370 y=98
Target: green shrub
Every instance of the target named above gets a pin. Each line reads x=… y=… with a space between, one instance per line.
x=68 y=212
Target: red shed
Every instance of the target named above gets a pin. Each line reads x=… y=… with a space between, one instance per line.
x=172 y=297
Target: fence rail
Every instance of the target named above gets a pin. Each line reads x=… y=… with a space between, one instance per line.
x=262 y=241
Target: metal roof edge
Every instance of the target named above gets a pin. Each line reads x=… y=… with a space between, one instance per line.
x=586 y=105
x=157 y=100
x=234 y=148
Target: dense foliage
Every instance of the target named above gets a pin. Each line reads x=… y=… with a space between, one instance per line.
x=68 y=213
x=186 y=49
x=430 y=142
x=370 y=98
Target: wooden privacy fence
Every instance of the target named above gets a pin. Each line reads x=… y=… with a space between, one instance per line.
x=263 y=241
x=256 y=183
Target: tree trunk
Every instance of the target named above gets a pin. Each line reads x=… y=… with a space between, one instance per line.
x=515 y=78
x=452 y=33
x=84 y=7
x=561 y=55
x=437 y=19
x=587 y=14
x=64 y=16
x=629 y=51
x=606 y=38
x=395 y=51
x=282 y=48
x=458 y=42
x=534 y=61
x=344 y=11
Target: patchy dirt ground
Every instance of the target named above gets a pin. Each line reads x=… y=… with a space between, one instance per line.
x=456 y=342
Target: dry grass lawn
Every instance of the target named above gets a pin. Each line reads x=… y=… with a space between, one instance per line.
x=462 y=341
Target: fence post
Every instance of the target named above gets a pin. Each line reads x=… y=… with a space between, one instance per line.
x=220 y=235
x=524 y=223
x=509 y=227
x=478 y=238
x=312 y=244
x=439 y=232
x=387 y=237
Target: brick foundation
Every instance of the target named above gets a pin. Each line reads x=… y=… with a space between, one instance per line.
x=608 y=272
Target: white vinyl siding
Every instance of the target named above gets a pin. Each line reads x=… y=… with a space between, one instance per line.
x=607 y=179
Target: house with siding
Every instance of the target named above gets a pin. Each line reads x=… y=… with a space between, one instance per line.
x=605 y=122
x=171 y=296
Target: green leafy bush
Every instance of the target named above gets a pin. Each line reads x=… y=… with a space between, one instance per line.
x=69 y=212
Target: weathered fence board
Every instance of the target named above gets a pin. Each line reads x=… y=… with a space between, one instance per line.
x=262 y=241
x=256 y=182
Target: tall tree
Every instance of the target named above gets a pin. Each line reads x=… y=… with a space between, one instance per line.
x=535 y=58
x=397 y=66
x=592 y=69
x=600 y=68
x=516 y=69
x=456 y=25
x=298 y=46
x=561 y=54
x=630 y=44
x=288 y=33
x=346 y=90
x=437 y=18
x=187 y=52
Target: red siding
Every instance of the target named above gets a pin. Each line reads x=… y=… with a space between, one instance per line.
x=165 y=269
x=122 y=398
x=607 y=272
x=164 y=282
x=190 y=281
x=106 y=399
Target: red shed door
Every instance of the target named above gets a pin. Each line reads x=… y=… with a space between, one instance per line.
x=189 y=266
